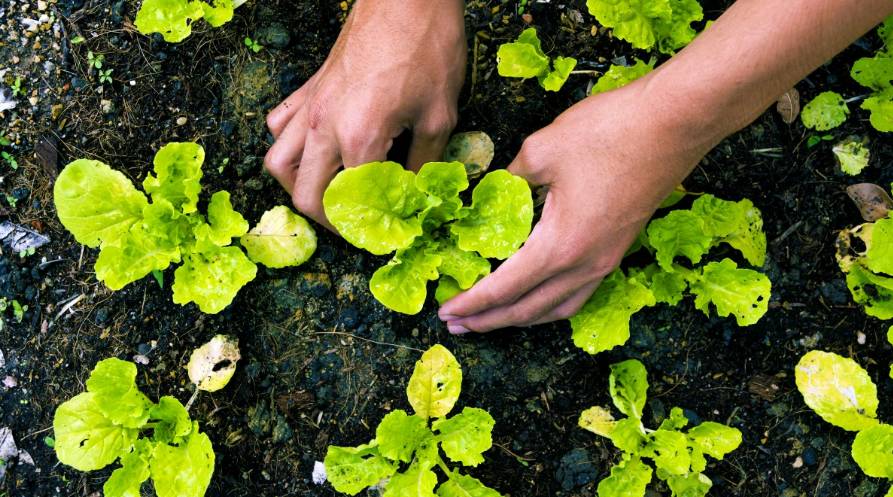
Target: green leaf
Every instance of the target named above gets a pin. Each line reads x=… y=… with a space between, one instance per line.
x=826 y=111
x=669 y=451
x=113 y=382
x=184 y=470
x=171 y=18
x=95 y=203
x=873 y=451
x=555 y=79
x=879 y=247
x=678 y=32
x=417 y=481
x=675 y=421
x=739 y=224
x=690 y=485
x=715 y=439
x=838 y=390
x=212 y=279
x=281 y=239
x=401 y=285
x=225 y=222
x=217 y=12
x=444 y=180
x=665 y=286
x=646 y=24
x=603 y=322
x=873 y=291
x=375 y=206
x=466 y=436
x=127 y=480
x=874 y=72
x=628 y=385
x=523 y=58
x=500 y=216
x=741 y=292
x=399 y=435
x=628 y=479
x=178 y=174
x=628 y=435
x=352 y=469
x=618 y=76
x=85 y=438
x=447 y=288
x=172 y=418
x=435 y=383
x=465 y=268
x=679 y=233
x=852 y=155
x=598 y=420
x=880 y=105
x=460 y=485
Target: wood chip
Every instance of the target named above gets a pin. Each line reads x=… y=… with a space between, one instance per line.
x=764 y=386
x=788 y=106
x=48 y=156
x=872 y=200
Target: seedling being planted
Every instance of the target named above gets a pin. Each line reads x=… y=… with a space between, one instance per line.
x=173 y=19
x=678 y=456
x=408 y=448
x=524 y=58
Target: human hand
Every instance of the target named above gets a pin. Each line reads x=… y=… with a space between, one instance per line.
x=608 y=161
x=397 y=65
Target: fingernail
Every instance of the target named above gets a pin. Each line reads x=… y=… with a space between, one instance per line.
x=456 y=329
x=447 y=317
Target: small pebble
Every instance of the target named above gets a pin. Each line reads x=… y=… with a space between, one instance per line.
x=798 y=463
x=10 y=382
x=141 y=359
x=41 y=5
x=181 y=121
x=860 y=337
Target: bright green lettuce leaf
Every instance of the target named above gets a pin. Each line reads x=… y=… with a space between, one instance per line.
x=375 y=206
x=743 y=293
x=852 y=155
x=352 y=469
x=690 y=485
x=466 y=436
x=739 y=224
x=826 y=111
x=211 y=279
x=666 y=287
x=127 y=480
x=134 y=256
x=447 y=288
x=873 y=291
x=603 y=322
x=401 y=285
x=217 y=12
x=880 y=105
x=628 y=385
x=460 y=485
x=523 y=58
x=874 y=72
x=628 y=435
x=715 y=439
x=598 y=420
x=618 y=76
x=399 y=435
x=85 y=438
x=679 y=233
x=646 y=24
x=184 y=470
x=675 y=421
x=669 y=451
x=281 y=239
x=113 y=382
x=444 y=180
x=678 y=32
x=879 y=249
x=171 y=18
x=417 y=481
x=500 y=216
x=435 y=383
x=873 y=451
x=885 y=32
x=838 y=390
x=172 y=418
x=628 y=479
x=555 y=79
x=465 y=268
x=178 y=174
x=96 y=203
x=225 y=222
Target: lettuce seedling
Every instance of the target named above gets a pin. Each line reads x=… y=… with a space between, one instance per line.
x=114 y=421
x=869 y=272
x=852 y=155
x=174 y=18
x=842 y=393
x=406 y=450
x=102 y=208
x=618 y=76
x=384 y=208
x=524 y=58
x=678 y=456
x=603 y=322
x=665 y=24
x=876 y=73
x=827 y=110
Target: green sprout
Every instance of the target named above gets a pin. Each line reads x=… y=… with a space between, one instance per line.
x=253 y=45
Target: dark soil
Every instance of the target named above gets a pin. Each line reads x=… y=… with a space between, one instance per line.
x=322 y=361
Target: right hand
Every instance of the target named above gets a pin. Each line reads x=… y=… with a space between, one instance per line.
x=397 y=65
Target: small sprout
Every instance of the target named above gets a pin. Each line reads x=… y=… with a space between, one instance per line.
x=28 y=252
x=50 y=442
x=253 y=45
x=17 y=87
x=10 y=160
x=95 y=61
x=105 y=76
x=77 y=39
x=213 y=364
x=814 y=140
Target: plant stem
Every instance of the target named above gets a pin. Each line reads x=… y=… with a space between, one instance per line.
x=192 y=399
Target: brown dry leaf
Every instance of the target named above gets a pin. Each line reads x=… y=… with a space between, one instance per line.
x=47 y=156
x=788 y=105
x=872 y=201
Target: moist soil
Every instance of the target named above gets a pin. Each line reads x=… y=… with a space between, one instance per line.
x=322 y=361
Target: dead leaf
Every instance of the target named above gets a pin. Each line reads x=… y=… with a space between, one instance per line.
x=764 y=386
x=788 y=106
x=47 y=156
x=872 y=200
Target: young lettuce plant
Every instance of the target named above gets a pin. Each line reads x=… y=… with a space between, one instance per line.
x=173 y=19
x=876 y=73
x=679 y=456
x=603 y=322
x=826 y=111
x=404 y=453
x=524 y=58
x=384 y=208
x=102 y=208
x=842 y=393
x=618 y=76
x=665 y=24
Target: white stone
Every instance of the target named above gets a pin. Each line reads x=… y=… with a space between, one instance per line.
x=319 y=473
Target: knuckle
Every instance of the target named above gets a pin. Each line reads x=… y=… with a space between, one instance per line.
x=305 y=204
x=274 y=162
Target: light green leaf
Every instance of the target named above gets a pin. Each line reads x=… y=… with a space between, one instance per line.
x=281 y=239
x=95 y=203
x=447 y=288
x=619 y=76
x=212 y=279
x=852 y=155
x=399 y=435
x=873 y=451
x=628 y=385
x=838 y=390
x=628 y=435
x=875 y=72
x=500 y=216
x=739 y=224
x=178 y=175
x=417 y=481
x=217 y=12
x=523 y=58
x=646 y=24
x=675 y=421
x=715 y=439
x=598 y=420
x=466 y=436
x=85 y=438
x=741 y=292
x=435 y=383
x=679 y=233
x=669 y=451
x=184 y=470
x=667 y=287
x=555 y=79
x=375 y=206
x=113 y=382
x=690 y=485
x=879 y=247
x=678 y=32
x=172 y=418
x=603 y=322
x=127 y=480
x=401 y=285
x=352 y=469
x=873 y=291
x=826 y=111
x=225 y=222
x=880 y=105
x=460 y=485
x=628 y=479
x=171 y=18
x=444 y=180
x=465 y=268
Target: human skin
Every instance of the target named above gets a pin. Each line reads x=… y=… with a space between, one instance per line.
x=608 y=161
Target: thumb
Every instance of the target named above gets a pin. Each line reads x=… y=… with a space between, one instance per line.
x=530 y=164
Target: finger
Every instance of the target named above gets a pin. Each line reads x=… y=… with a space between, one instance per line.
x=571 y=306
x=360 y=148
x=426 y=147
x=284 y=156
x=319 y=165
x=529 y=165
x=282 y=114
